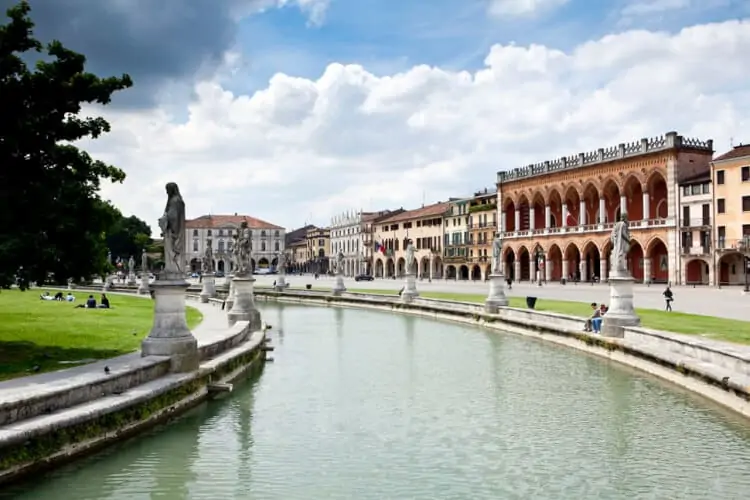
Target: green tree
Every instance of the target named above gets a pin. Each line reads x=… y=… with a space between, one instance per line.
x=52 y=221
x=128 y=236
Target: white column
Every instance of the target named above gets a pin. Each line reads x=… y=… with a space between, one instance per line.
x=582 y=219
x=548 y=270
x=547 y=217
x=646 y=206
x=565 y=269
x=584 y=270
x=603 y=269
x=623 y=205
x=564 y=215
x=432 y=267
x=602 y=210
x=531 y=269
x=501 y=226
x=646 y=270
x=517 y=270
x=518 y=220
x=531 y=219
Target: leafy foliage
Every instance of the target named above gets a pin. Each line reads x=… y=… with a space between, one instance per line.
x=52 y=221
x=129 y=236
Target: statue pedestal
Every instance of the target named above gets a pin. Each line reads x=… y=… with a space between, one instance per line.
x=209 y=288
x=496 y=297
x=143 y=288
x=621 y=312
x=131 y=279
x=281 y=283
x=230 y=294
x=107 y=284
x=243 y=305
x=338 y=286
x=170 y=335
x=410 y=288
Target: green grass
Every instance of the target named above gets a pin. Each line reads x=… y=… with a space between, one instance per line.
x=729 y=330
x=37 y=333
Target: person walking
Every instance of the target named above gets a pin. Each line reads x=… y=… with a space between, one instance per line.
x=668 y=298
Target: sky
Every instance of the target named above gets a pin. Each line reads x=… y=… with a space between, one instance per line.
x=295 y=110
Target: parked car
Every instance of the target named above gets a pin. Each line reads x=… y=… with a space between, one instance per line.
x=219 y=274
x=363 y=277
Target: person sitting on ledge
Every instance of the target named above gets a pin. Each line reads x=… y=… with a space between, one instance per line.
x=595 y=315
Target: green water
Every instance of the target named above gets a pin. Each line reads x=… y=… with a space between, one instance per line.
x=368 y=405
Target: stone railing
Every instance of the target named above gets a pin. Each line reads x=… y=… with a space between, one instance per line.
x=625 y=150
x=717 y=370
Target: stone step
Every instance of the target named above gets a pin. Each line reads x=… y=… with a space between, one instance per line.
x=28 y=397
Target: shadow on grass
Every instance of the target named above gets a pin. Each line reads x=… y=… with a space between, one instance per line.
x=20 y=359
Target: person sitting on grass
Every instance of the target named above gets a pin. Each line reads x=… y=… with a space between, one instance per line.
x=70 y=297
x=46 y=296
x=104 y=302
x=589 y=326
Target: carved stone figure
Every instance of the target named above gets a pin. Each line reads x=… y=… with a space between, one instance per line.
x=208 y=258
x=497 y=252
x=340 y=263
x=131 y=264
x=243 y=250
x=281 y=264
x=620 y=239
x=172 y=225
x=410 y=258
x=109 y=256
x=144 y=261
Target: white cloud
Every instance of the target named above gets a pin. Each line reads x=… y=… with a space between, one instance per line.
x=302 y=148
x=645 y=7
x=517 y=8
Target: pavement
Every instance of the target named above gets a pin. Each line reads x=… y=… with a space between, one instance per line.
x=727 y=302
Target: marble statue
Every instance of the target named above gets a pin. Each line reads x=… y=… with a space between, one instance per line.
x=144 y=261
x=281 y=265
x=410 y=258
x=497 y=253
x=172 y=225
x=243 y=250
x=620 y=239
x=131 y=264
x=340 y=263
x=208 y=258
x=109 y=256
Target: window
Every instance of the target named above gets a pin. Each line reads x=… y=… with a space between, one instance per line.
x=745 y=174
x=209 y=232
x=195 y=245
x=276 y=234
x=262 y=246
x=685 y=190
x=706 y=215
x=720 y=206
x=722 y=236
x=276 y=246
x=746 y=203
x=720 y=177
x=745 y=230
x=262 y=234
x=195 y=233
x=696 y=189
x=706 y=188
x=686 y=216
x=221 y=246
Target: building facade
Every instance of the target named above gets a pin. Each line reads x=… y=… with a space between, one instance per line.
x=267 y=241
x=456 y=240
x=424 y=226
x=347 y=236
x=318 y=252
x=483 y=227
x=696 y=224
x=556 y=217
x=730 y=174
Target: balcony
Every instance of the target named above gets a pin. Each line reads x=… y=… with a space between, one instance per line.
x=455 y=253
x=484 y=225
x=697 y=222
x=586 y=228
x=701 y=250
x=731 y=245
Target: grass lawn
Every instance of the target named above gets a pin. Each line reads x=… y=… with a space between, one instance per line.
x=729 y=330
x=37 y=333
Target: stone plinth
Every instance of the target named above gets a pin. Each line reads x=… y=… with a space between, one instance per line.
x=170 y=335
x=496 y=297
x=621 y=312
x=410 y=288
x=230 y=293
x=209 y=287
x=107 y=284
x=281 y=283
x=338 y=286
x=131 y=279
x=143 y=288
x=243 y=306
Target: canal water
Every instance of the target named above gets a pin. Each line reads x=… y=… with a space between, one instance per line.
x=369 y=405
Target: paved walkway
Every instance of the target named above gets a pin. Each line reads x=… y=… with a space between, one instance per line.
x=725 y=302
